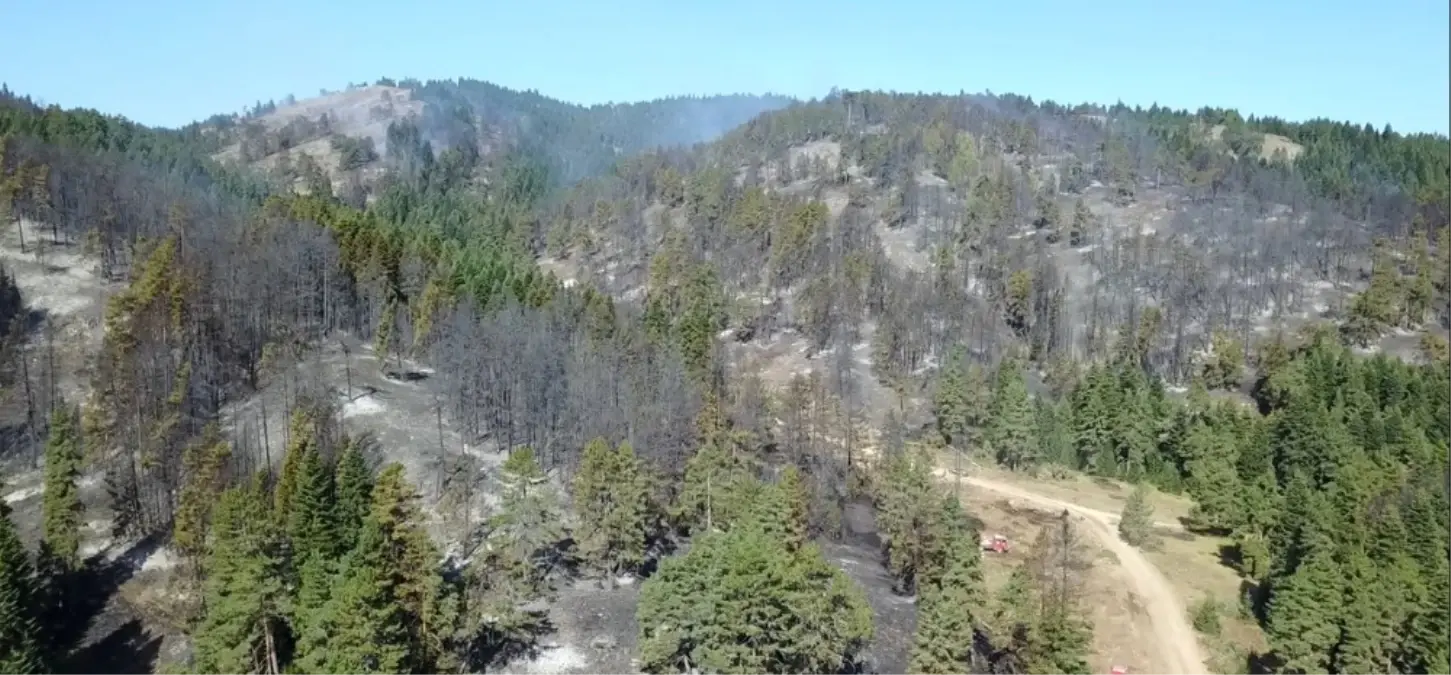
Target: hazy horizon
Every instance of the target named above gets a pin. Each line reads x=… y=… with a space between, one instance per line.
x=176 y=63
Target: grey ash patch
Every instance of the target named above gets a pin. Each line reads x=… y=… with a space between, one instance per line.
x=894 y=617
x=61 y=287
x=398 y=408
x=594 y=632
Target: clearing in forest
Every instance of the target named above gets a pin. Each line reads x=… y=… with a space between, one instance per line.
x=1160 y=588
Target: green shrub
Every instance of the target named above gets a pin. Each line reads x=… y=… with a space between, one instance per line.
x=1205 y=616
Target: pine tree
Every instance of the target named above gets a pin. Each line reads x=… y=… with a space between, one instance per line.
x=781 y=510
x=1046 y=213
x=945 y=623
x=612 y=499
x=951 y=400
x=1011 y=434
x=1223 y=369
x=1093 y=404
x=386 y=613
x=1017 y=307
x=698 y=322
x=711 y=495
x=1080 y=230
x=1209 y=460
x=1059 y=642
x=1059 y=636
x=909 y=518
x=300 y=441
x=202 y=466
x=1421 y=291
x=1379 y=305
x=591 y=488
x=1307 y=439
x=411 y=563
x=526 y=530
x=1136 y=524
x=21 y=646
x=740 y=602
x=798 y=508
x=354 y=495
x=242 y=593
x=1425 y=648
x=62 y=505
x=1011 y=606
x=318 y=579
x=312 y=516
x=363 y=624
x=314 y=539
x=1302 y=614
x=1367 y=627
x=385 y=334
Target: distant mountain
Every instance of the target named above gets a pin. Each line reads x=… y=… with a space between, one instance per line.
x=579 y=141
x=346 y=134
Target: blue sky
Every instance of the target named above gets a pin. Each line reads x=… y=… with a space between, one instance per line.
x=168 y=62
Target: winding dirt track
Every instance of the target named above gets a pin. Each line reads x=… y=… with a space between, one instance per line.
x=1178 y=646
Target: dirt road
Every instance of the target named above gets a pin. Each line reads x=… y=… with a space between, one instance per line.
x=1178 y=645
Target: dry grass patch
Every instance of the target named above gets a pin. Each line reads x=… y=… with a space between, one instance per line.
x=1270 y=144
x=1096 y=493
x=1122 y=628
x=1195 y=566
x=1274 y=143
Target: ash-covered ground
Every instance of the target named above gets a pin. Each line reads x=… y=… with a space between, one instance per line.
x=595 y=629
x=399 y=408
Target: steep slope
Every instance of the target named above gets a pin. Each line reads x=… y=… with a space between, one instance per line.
x=362 y=113
x=863 y=240
x=579 y=141
x=874 y=241
x=241 y=310
x=347 y=135
x=926 y=221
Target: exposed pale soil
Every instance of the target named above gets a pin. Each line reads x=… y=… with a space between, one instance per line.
x=1178 y=646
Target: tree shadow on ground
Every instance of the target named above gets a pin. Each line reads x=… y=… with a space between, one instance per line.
x=1229 y=556
x=493 y=649
x=1261 y=664
x=1258 y=598
x=35 y=319
x=128 y=649
x=1194 y=526
x=404 y=376
x=19 y=447
x=86 y=593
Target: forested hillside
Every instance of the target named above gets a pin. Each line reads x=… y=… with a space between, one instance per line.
x=580 y=141
x=1133 y=294
x=1000 y=219
x=349 y=139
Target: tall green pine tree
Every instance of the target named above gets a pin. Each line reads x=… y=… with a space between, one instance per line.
x=945 y=623
x=363 y=623
x=62 y=505
x=1013 y=424
x=241 y=626
x=612 y=500
x=21 y=646
x=951 y=400
x=1303 y=614
x=354 y=495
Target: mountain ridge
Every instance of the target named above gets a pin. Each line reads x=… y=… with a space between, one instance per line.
x=805 y=319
